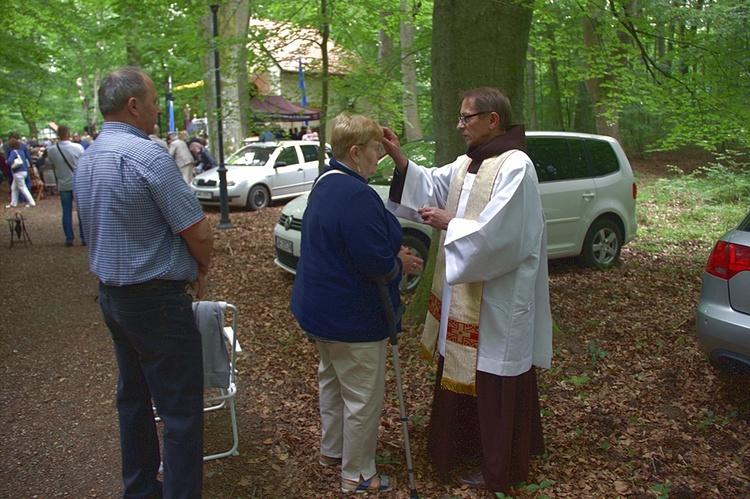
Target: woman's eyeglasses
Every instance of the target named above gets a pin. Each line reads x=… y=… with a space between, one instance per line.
x=378 y=148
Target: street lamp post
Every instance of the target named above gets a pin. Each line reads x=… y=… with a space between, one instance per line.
x=224 y=222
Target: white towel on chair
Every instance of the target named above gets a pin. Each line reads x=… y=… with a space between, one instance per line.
x=209 y=318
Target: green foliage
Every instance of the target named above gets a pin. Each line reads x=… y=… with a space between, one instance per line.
x=372 y=84
x=577 y=381
x=673 y=73
x=60 y=49
x=595 y=353
x=690 y=211
x=662 y=490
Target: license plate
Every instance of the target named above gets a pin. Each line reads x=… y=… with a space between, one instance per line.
x=203 y=195
x=284 y=245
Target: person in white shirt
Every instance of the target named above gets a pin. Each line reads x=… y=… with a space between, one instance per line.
x=63 y=157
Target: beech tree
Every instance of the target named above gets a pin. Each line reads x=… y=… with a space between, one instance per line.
x=474 y=44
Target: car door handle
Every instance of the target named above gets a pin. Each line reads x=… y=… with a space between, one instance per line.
x=588 y=196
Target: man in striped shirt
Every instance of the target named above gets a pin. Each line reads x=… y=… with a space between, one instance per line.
x=148 y=241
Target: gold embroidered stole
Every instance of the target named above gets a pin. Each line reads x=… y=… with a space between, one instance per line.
x=462 y=340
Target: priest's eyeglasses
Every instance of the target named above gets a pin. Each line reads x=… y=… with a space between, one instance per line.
x=464 y=118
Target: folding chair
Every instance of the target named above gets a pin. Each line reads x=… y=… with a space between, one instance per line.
x=220 y=347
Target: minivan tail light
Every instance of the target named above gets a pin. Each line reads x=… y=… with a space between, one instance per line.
x=635 y=191
x=728 y=259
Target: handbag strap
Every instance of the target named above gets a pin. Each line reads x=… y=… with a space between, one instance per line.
x=64 y=158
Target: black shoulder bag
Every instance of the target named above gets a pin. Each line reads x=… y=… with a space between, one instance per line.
x=64 y=158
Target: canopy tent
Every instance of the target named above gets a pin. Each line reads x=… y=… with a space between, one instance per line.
x=276 y=108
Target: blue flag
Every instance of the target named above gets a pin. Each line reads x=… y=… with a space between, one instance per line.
x=171 y=116
x=302 y=85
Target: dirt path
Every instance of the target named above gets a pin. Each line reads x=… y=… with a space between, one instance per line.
x=630 y=407
x=59 y=433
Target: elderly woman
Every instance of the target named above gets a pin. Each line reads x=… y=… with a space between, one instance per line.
x=349 y=242
x=20 y=167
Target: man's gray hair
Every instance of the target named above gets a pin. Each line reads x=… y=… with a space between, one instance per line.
x=119 y=86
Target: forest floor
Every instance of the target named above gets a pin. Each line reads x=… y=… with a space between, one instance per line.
x=631 y=408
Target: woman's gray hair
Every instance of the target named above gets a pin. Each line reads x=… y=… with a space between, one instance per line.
x=350 y=130
x=119 y=86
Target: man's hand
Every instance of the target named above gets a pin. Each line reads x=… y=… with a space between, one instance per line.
x=435 y=217
x=199 y=285
x=393 y=149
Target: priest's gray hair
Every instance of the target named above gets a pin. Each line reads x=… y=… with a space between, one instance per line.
x=119 y=86
x=488 y=99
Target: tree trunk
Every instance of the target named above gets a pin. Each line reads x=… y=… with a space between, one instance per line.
x=239 y=51
x=412 y=125
x=325 y=32
x=607 y=117
x=556 y=96
x=474 y=44
x=233 y=22
x=531 y=118
x=385 y=56
x=133 y=55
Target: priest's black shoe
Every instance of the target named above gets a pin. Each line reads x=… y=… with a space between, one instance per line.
x=474 y=480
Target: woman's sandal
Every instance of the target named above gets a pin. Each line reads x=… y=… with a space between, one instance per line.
x=367 y=486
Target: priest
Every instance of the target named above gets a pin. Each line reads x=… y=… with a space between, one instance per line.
x=488 y=323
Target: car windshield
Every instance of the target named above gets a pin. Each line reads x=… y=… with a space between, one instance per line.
x=252 y=155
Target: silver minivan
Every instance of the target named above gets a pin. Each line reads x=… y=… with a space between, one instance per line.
x=588 y=194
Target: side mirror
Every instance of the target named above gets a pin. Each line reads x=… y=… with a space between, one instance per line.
x=279 y=163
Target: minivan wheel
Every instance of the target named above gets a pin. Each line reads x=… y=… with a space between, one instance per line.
x=409 y=282
x=257 y=198
x=601 y=248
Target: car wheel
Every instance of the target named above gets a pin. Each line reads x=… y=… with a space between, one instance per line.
x=601 y=248
x=257 y=198
x=409 y=282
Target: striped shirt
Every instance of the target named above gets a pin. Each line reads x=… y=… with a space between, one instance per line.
x=133 y=204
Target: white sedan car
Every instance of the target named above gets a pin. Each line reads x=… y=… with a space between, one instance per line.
x=262 y=172
x=287 y=237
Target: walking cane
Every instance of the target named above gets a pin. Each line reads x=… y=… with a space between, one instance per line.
x=392 y=318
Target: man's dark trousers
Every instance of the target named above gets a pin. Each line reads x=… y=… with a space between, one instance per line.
x=159 y=355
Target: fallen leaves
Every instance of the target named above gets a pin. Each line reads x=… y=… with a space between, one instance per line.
x=624 y=405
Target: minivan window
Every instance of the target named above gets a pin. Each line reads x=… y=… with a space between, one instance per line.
x=602 y=157
x=557 y=159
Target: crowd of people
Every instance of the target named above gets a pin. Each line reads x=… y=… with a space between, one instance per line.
x=488 y=326
x=25 y=165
